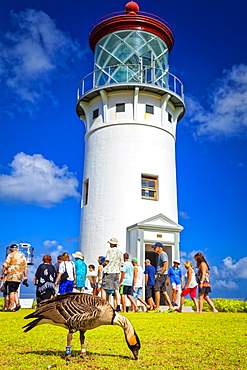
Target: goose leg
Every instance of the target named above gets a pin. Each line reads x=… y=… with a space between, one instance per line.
x=83 y=346
x=68 y=348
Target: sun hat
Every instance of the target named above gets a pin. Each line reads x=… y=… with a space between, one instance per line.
x=113 y=241
x=156 y=245
x=78 y=255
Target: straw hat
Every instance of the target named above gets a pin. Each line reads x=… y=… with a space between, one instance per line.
x=78 y=255
x=113 y=241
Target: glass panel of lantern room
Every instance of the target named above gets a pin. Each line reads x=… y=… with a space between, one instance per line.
x=121 y=56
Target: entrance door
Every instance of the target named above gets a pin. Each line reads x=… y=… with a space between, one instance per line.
x=153 y=257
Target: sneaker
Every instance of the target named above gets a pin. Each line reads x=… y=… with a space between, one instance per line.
x=9 y=310
x=118 y=309
x=17 y=307
x=169 y=311
x=156 y=311
x=174 y=304
x=177 y=310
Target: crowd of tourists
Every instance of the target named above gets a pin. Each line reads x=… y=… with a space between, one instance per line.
x=117 y=278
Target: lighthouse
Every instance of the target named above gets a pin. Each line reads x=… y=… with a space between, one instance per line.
x=130 y=104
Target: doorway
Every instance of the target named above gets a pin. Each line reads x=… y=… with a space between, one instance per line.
x=153 y=257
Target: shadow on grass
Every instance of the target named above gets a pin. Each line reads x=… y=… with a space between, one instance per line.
x=75 y=355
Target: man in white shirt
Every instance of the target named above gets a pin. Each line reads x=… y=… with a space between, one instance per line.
x=112 y=269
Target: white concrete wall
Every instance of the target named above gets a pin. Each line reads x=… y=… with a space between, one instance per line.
x=117 y=153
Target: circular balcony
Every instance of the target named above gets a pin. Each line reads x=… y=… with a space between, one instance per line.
x=127 y=77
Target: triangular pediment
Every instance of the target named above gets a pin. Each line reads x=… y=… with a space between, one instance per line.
x=158 y=222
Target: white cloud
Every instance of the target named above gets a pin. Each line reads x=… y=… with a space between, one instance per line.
x=33 y=55
x=36 y=180
x=184 y=215
x=228 y=274
x=224 y=276
x=189 y=256
x=236 y=269
x=51 y=244
x=225 y=284
x=226 y=115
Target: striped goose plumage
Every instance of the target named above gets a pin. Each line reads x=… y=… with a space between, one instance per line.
x=81 y=312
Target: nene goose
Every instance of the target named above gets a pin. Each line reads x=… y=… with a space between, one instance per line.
x=81 y=312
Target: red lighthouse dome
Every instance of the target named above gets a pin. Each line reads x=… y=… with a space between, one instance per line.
x=131 y=19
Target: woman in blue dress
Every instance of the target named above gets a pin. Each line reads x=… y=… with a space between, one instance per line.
x=80 y=272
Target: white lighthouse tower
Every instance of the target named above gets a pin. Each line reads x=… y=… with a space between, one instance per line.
x=130 y=105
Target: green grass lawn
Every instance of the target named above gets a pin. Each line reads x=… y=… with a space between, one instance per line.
x=169 y=341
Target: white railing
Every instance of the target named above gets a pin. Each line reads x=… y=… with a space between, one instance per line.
x=122 y=74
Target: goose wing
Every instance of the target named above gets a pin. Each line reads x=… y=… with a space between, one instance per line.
x=71 y=311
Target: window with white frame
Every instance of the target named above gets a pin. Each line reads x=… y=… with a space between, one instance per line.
x=120 y=107
x=149 y=187
x=96 y=113
x=149 y=109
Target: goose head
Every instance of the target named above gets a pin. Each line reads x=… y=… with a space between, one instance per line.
x=134 y=344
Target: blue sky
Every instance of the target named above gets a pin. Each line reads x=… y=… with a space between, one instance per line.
x=44 y=53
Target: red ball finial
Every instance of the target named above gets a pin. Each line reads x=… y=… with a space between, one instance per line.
x=132 y=7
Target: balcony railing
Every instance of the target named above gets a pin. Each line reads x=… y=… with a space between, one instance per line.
x=129 y=74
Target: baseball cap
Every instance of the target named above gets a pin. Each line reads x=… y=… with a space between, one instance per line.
x=13 y=246
x=157 y=245
x=134 y=260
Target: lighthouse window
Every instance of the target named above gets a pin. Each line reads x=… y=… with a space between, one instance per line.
x=169 y=117
x=96 y=113
x=120 y=107
x=149 y=187
x=85 y=192
x=149 y=109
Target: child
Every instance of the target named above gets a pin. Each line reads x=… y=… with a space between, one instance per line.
x=97 y=288
x=137 y=284
x=175 y=278
x=91 y=276
x=190 y=286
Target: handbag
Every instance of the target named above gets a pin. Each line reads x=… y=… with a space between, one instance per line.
x=65 y=275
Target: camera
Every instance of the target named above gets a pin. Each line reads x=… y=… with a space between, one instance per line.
x=25 y=282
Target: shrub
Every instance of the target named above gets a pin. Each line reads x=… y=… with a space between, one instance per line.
x=222 y=305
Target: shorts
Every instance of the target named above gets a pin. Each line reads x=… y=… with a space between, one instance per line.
x=149 y=291
x=110 y=281
x=66 y=286
x=204 y=290
x=45 y=295
x=176 y=286
x=127 y=289
x=137 y=293
x=11 y=286
x=190 y=291
x=160 y=284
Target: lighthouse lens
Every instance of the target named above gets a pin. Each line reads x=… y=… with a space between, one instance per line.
x=131 y=56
